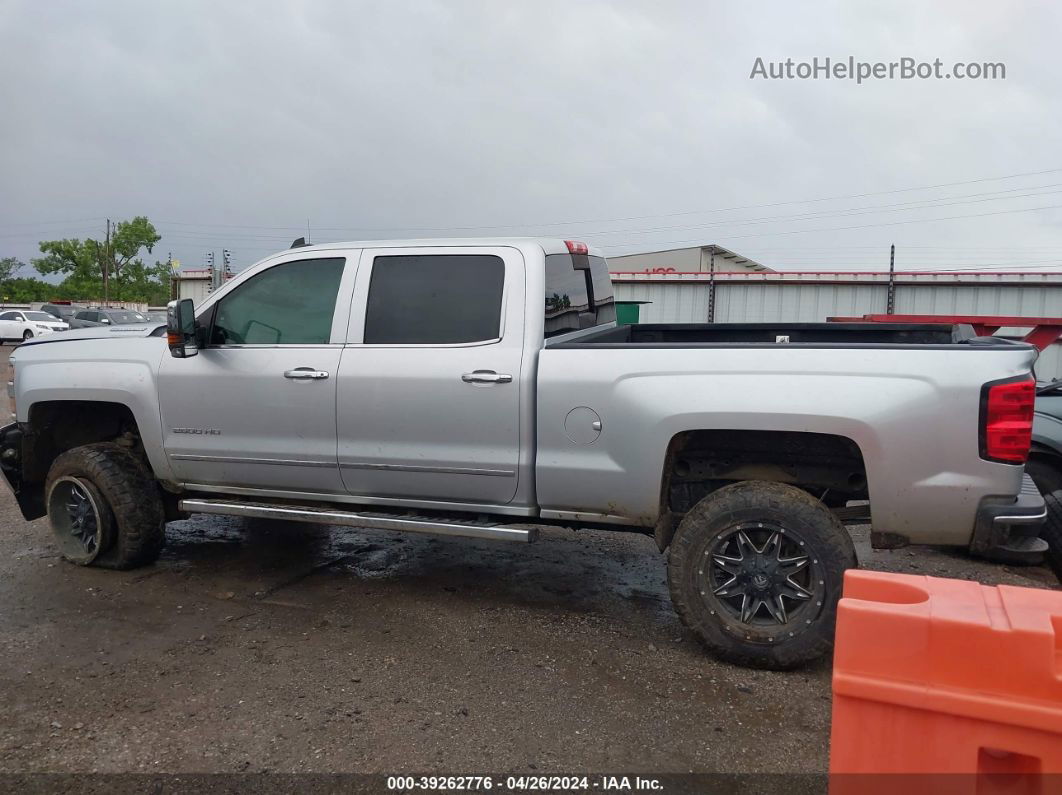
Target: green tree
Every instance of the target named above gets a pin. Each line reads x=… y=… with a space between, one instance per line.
x=25 y=290
x=9 y=266
x=117 y=256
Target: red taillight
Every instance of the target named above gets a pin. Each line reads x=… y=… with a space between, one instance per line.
x=575 y=247
x=1006 y=420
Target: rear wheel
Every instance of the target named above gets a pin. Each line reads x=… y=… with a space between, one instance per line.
x=1048 y=479
x=756 y=569
x=104 y=507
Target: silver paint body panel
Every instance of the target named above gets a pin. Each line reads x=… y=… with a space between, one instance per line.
x=912 y=411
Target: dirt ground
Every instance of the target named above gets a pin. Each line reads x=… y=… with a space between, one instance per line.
x=260 y=646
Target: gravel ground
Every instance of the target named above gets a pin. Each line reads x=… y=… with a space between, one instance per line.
x=261 y=646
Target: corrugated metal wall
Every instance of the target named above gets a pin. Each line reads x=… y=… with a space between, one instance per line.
x=1033 y=301
x=807 y=303
x=685 y=300
x=668 y=303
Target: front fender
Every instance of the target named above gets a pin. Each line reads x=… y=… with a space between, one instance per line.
x=127 y=378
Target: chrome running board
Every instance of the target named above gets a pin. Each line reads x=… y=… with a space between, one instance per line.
x=378 y=521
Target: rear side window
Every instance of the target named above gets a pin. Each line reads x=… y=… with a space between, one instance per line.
x=434 y=299
x=288 y=304
x=578 y=293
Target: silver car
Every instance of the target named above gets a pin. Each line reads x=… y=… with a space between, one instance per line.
x=91 y=318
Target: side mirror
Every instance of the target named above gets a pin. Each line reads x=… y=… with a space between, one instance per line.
x=105 y=321
x=180 y=328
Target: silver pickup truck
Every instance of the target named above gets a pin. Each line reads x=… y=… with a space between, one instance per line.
x=482 y=388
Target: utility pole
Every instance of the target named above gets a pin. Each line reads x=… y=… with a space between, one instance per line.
x=711 y=287
x=891 y=304
x=173 y=276
x=107 y=264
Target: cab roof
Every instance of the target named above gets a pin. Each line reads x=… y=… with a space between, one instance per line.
x=549 y=245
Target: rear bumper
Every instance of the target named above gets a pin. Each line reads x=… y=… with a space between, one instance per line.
x=1028 y=509
x=1003 y=522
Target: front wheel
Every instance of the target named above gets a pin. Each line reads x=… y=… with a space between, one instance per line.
x=27 y=335
x=755 y=571
x=104 y=507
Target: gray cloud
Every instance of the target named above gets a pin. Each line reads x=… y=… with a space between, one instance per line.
x=382 y=119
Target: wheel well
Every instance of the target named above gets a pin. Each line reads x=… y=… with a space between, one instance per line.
x=59 y=425
x=827 y=466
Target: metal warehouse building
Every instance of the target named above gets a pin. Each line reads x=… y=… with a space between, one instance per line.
x=752 y=293
x=695 y=259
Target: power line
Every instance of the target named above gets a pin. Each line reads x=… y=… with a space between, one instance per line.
x=297 y=228
x=839 y=213
x=845 y=228
x=720 y=209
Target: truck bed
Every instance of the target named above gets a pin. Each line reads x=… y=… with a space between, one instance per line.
x=819 y=334
x=907 y=395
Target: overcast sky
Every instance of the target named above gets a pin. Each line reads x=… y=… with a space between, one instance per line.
x=230 y=124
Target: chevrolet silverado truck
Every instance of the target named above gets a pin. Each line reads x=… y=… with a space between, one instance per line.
x=482 y=388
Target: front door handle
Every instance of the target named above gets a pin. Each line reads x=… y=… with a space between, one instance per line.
x=486 y=377
x=306 y=374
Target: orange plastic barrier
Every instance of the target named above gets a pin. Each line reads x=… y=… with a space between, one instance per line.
x=946 y=676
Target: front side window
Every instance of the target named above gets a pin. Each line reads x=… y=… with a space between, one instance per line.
x=288 y=304
x=10 y=316
x=434 y=299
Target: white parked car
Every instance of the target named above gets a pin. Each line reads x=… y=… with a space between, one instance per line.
x=17 y=325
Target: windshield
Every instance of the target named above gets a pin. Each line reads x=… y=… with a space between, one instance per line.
x=126 y=317
x=40 y=316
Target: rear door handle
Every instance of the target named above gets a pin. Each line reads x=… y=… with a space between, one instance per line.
x=486 y=377
x=305 y=374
